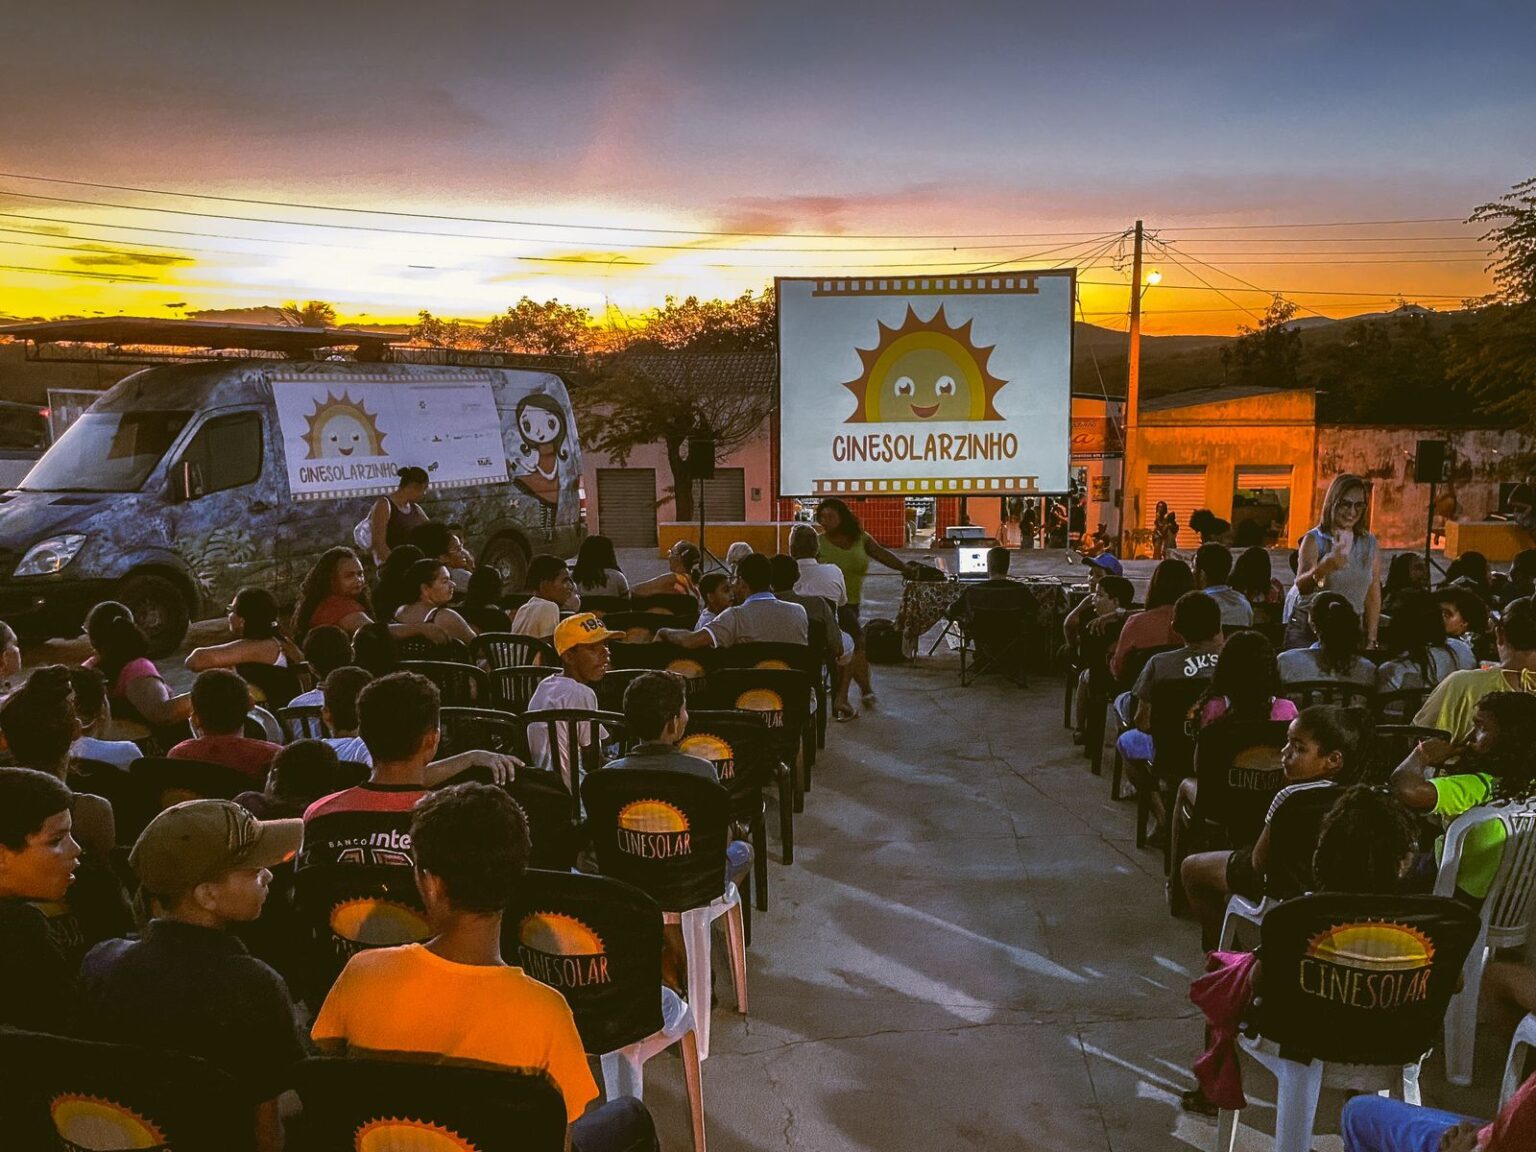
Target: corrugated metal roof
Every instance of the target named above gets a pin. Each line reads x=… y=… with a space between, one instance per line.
x=1209 y=396
x=148 y=331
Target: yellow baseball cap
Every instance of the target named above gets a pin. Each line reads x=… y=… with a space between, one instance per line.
x=582 y=628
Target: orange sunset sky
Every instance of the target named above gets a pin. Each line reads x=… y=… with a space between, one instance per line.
x=163 y=157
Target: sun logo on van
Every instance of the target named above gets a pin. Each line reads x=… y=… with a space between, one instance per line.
x=925 y=370
x=342 y=427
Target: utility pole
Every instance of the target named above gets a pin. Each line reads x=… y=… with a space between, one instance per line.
x=1130 y=518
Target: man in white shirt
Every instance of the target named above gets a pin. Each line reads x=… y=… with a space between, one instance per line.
x=761 y=618
x=582 y=643
x=816 y=578
x=552 y=591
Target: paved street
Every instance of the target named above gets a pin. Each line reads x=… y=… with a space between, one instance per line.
x=969 y=950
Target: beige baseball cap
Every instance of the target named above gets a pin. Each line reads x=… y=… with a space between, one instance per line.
x=199 y=840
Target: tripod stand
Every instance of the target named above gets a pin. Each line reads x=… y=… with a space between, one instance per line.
x=706 y=557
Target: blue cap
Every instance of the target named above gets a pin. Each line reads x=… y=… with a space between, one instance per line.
x=1107 y=562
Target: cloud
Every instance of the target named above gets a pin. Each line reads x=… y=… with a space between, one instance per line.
x=112 y=257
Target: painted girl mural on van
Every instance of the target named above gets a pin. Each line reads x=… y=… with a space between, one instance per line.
x=541 y=426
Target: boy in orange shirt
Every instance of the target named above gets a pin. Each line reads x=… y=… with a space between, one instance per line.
x=454 y=999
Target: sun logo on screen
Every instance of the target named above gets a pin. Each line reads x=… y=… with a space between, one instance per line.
x=925 y=370
x=1379 y=947
x=88 y=1122
x=342 y=427
x=557 y=934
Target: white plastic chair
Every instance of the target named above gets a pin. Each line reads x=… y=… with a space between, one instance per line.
x=1506 y=915
x=1241 y=910
x=1298 y=1088
x=624 y=1070
x=1525 y=1039
x=697 y=941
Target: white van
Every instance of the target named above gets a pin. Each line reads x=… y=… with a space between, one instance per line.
x=185 y=482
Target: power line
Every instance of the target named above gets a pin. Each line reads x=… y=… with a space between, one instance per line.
x=76 y=272
x=1387 y=294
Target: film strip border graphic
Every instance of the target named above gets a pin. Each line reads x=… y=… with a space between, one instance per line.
x=968 y=485
x=386 y=489
x=1018 y=285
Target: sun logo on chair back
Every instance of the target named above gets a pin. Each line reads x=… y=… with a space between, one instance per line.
x=691 y=669
x=561 y=951
x=396 y=1135
x=766 y=701
x=371 y=922
x=775 y=664
x=91 y=1124
x=707 y=746
x=653 y=830
x=1370 y=965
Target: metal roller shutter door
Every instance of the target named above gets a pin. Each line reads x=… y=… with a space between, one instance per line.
x=725 y=497
x=1184 y=490
x=626 y=506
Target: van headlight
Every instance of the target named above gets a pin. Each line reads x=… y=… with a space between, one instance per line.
x=51 y=555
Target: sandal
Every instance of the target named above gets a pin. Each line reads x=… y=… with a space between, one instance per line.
x=870 y=700
x=842 y=713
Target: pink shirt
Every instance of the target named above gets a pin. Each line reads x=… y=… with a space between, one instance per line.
x=1279 y=709
x=1152 y=628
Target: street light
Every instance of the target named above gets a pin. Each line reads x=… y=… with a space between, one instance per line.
x=1153 y=277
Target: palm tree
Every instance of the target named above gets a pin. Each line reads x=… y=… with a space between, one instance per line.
x=313 y=314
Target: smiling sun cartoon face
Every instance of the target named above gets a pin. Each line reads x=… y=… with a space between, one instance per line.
x=341 y=427
x=924 y=370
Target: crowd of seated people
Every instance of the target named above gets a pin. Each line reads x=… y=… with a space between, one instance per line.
x=164 y=937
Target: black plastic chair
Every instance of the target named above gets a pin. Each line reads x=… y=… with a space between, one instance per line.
x=732 y=741
x=350 y=908
x=413 y=1104
x=1238 y=770
x=171 y=781
x=1399 y=706
x=272 y=686
x=1135 y=661
x=134 y=802
x=1390 y=747
x=801 y=657
x=513 y=687
x=783 y=696
x=1340 y=693
x=420 y=648
x=554 y=839
x=602 y=605
x=641 y=627
x=565 y=753
x=610 y=689
x=666 y=833
x=77 y=1094
x=1350 y=980
x=678 y=604
x=304 y=722
x=460 y=685
x=692 y=664
x=599 y=942
x=1174 y=748
x=480 y=729
x=512 y=650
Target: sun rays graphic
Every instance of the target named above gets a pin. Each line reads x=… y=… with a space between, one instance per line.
x=341 y=427
x=925 y=370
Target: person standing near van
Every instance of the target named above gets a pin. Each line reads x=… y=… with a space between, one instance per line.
x=396 y=516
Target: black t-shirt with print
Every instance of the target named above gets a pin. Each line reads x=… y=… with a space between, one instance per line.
x=36 y=981
x=1295 y=821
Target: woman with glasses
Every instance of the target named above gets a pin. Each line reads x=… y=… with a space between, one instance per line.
x=1339 y=555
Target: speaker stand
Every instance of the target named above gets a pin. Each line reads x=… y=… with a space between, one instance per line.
x=706 y=557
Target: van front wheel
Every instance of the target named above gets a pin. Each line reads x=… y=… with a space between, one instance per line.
x=159 y=609
x=507 y=555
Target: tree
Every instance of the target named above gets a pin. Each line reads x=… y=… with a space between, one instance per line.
x=1266 y=356
x=745 y=324
x=1495 y=354
x=312 y=314
x=548 y=329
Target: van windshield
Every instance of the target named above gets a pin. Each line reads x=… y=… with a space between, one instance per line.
x=106 y=452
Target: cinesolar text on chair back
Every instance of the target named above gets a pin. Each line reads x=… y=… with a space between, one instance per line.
x=458 y=685
x=480 y=729
x=512 y=650
x=513 y=687
x=1360 y=979
x=664 y=832
x=782 y=695
x=598 y=941
x=1339 y=693
x=303 y=722
x=78 y=1094
x=367 y=1104
x=732 y=740
x=351 y=908
x=1237 y=764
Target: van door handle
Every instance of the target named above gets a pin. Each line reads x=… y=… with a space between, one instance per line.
x=260 y=506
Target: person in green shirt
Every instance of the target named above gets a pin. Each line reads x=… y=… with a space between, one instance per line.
x=1495 y=763
x=845 y=544
x=1450 y=706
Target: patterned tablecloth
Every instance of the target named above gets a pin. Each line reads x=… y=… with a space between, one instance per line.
x=923 y=605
